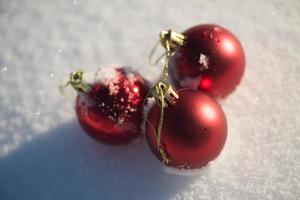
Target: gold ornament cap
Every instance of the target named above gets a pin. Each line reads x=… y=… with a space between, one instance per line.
x=164 y=94
x=174 y=39
x=76 y=81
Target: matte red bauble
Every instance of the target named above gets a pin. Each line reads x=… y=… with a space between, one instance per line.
x=211 y=59
x=194 y=130
x=110 y=107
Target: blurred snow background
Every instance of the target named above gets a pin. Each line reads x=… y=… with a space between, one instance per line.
x=44 y=154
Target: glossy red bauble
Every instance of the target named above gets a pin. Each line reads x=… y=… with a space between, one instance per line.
x=211 y=59
x=112 y=110
x=194 y=130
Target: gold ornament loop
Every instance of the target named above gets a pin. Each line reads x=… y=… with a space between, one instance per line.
x=174 y=39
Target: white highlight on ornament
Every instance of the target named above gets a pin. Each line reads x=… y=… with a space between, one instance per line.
x=229 y=47
x=136 y=89
x=217 y=29
x=208 y=111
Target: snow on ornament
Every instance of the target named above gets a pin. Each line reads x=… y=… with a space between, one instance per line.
x=109 y=104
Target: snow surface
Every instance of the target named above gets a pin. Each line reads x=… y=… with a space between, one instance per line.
x=44 y=154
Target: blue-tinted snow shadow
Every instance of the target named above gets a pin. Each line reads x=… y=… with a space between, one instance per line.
x=66 y=164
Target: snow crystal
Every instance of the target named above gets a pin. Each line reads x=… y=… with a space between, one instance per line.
x=203 y=61
x=88 y=78
x=106 y=75
x=130 y=76
x=113 y=87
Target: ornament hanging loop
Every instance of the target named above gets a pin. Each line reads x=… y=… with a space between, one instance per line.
x=174 y=41
x=151 y=60
x=171 y=41
x=162 y=91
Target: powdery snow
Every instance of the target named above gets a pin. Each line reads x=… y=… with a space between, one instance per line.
x=44 y=154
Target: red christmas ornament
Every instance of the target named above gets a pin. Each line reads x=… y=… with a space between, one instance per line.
x=109 y=103
x=211 y=59
x=193 y=133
